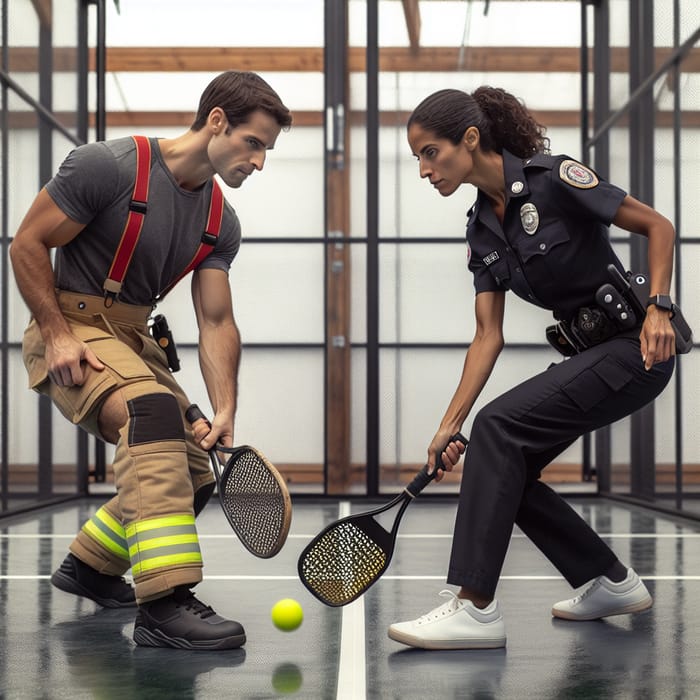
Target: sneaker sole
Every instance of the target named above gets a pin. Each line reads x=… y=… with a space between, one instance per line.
x=155 y=638
x=437 y=644
x=70 y=585
x=632 y=608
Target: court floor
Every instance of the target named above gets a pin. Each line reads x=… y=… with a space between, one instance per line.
x=53 y=645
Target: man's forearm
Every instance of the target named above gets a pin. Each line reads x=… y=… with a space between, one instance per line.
x=219 y=358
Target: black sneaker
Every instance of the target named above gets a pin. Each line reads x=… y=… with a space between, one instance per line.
x=181 y=621
x=74 y=576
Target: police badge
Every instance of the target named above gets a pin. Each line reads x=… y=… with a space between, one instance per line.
x=530 y=218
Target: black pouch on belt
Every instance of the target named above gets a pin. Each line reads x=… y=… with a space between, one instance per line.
x=590 y=326
x=162 y=335
x=634 y=286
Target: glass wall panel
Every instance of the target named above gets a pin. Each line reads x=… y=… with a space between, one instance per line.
x=40 y=106
x=426 y=294
x=324 y=295
x=674 y=136
x=278 y=278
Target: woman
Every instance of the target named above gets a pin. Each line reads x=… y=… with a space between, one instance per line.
x=539 y=228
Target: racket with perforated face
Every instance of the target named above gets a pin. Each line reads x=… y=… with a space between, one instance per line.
x=253 y=495
x=351 y=554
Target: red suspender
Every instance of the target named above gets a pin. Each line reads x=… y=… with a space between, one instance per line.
x=211 y=232
x=134 y=223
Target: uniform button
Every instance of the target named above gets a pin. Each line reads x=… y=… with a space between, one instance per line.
x=517 y=269
x=543 y=246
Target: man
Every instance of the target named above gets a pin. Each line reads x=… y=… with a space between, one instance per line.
x=121 y=242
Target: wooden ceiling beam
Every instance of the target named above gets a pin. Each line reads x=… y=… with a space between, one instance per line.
x=411 y=12
x=44 y=11
x=486 y=59
x=302 y=118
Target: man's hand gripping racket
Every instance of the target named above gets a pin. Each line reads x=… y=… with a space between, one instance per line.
x=253 y=495
x=351 y=554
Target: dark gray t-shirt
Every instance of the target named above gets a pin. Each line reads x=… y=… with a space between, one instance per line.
x=94 y=186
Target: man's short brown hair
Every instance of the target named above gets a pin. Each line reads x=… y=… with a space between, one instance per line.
x=238 y=94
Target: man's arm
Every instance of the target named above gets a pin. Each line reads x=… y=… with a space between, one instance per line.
x=219 y=350
x=478 y=364
x=45 y=226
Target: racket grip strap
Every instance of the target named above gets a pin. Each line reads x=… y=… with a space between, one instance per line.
x=194 y=413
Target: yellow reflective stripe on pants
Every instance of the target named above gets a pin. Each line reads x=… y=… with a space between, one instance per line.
x=103 y=528
x=163 y=542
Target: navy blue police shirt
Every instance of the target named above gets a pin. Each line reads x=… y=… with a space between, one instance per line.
x=553 y=248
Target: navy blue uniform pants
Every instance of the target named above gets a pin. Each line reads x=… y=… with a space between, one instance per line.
x=516 y=436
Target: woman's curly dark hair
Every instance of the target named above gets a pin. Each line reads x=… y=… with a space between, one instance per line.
x=502 y=120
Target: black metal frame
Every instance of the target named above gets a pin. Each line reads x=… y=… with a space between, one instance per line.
x=47 y=126
x=640 y=109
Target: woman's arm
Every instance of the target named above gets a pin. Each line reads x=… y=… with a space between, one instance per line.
x=657 y=338
x=478 y=364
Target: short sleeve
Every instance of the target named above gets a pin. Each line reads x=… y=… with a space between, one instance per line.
x=484 y=281
x=87 y=182
x=581 y=192
x=227 y=244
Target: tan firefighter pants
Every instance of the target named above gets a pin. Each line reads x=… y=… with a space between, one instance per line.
x=160 y=472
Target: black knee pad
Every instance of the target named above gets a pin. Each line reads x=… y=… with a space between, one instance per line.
x=154 y=417
x=202 y=496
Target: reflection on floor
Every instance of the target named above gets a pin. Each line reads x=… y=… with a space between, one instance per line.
x=55 y=646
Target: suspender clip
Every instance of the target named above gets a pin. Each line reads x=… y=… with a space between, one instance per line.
x=209 y=238
x=138 y=207
x=112 y=289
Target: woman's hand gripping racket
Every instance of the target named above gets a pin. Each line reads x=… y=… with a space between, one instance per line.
x=253 y=495
x=351 y=554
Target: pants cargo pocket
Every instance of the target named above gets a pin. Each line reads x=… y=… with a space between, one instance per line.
x=79 y=403
x=597 y=383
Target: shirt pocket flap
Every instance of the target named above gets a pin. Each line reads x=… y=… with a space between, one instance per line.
x=543 y=241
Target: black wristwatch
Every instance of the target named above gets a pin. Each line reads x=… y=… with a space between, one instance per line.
x=663 y=301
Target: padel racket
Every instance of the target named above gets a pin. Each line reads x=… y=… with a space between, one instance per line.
x=253 y=495
x=352 y=553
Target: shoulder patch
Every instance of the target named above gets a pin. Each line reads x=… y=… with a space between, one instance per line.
x=577 y=175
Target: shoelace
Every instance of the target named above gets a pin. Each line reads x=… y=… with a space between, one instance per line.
x=196 y=606
x=448 y=607
x=582 y=596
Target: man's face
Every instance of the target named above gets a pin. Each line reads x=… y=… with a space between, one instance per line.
x=235 y=153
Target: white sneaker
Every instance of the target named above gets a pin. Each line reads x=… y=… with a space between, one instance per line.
x=457 y=624
x=602 y=598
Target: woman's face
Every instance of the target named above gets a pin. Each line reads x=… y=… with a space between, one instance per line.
x=445 y=164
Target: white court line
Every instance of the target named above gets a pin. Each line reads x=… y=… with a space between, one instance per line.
x=352 y=681
x=386 y=577
x=399 y=577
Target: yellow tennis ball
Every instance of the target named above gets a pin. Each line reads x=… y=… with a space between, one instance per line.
x=287 y=614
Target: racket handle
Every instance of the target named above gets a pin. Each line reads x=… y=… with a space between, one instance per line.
x=194 y=413
x=423 y=478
